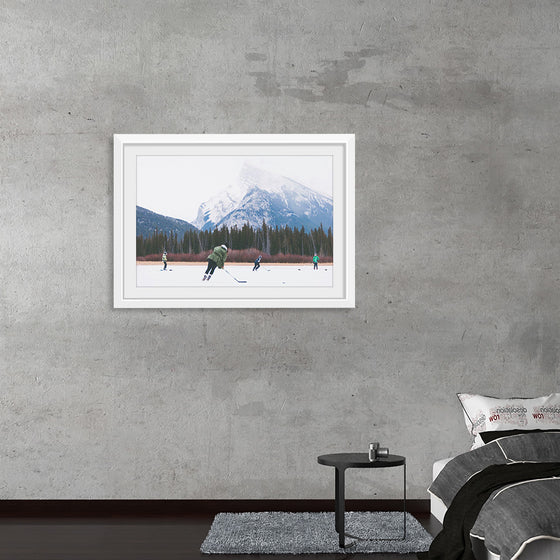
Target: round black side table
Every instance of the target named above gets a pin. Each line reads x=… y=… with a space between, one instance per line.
x=343 y=461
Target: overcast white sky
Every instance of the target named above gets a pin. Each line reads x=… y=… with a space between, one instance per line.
x=177 y=185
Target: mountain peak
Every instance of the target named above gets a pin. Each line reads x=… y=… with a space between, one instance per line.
x=262 y=195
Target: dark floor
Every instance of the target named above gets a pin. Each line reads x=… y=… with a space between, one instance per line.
x=135 y=539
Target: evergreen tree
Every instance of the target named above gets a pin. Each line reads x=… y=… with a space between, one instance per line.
x=266 y=240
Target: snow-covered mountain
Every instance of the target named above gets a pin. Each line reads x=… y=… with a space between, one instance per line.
x=148 y=222
x=261 y=195
x=220 y=205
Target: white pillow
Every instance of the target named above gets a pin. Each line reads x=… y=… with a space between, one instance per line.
x=483 y=414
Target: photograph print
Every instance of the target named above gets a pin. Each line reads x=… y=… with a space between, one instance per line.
x=233 y=221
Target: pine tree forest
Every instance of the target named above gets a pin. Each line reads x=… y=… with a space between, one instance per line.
x=265 y=240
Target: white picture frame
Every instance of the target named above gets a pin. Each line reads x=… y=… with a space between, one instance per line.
x=135 y=158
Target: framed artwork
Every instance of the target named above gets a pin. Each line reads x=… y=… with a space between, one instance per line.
x=234 y=220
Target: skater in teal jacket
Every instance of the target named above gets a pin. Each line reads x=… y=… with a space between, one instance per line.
x=216 y=259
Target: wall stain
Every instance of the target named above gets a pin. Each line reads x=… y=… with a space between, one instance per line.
x=419 y=87
x=266 y=83
x=329 y=83
x=540 y=342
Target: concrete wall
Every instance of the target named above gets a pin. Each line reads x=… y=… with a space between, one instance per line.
x=455 y=110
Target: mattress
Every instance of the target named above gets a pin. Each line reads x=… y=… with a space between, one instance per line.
x=437 y=507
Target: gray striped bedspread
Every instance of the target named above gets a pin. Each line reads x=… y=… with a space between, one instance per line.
x=516 y=513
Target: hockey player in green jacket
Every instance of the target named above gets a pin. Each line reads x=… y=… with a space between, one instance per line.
x=216 y=259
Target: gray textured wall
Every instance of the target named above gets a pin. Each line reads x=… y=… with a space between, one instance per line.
x=455 y=110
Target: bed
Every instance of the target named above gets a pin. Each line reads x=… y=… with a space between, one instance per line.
x=501 y=499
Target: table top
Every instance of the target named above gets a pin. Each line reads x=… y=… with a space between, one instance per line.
x=360 y=461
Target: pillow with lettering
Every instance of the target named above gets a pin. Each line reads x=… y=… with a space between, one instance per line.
x=483 y=414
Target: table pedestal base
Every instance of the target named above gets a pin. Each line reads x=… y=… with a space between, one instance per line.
x=339 y=508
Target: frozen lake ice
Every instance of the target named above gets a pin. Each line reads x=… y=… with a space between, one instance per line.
x=179 y=275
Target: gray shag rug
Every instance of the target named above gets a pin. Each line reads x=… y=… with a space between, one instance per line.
x=277 y=532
